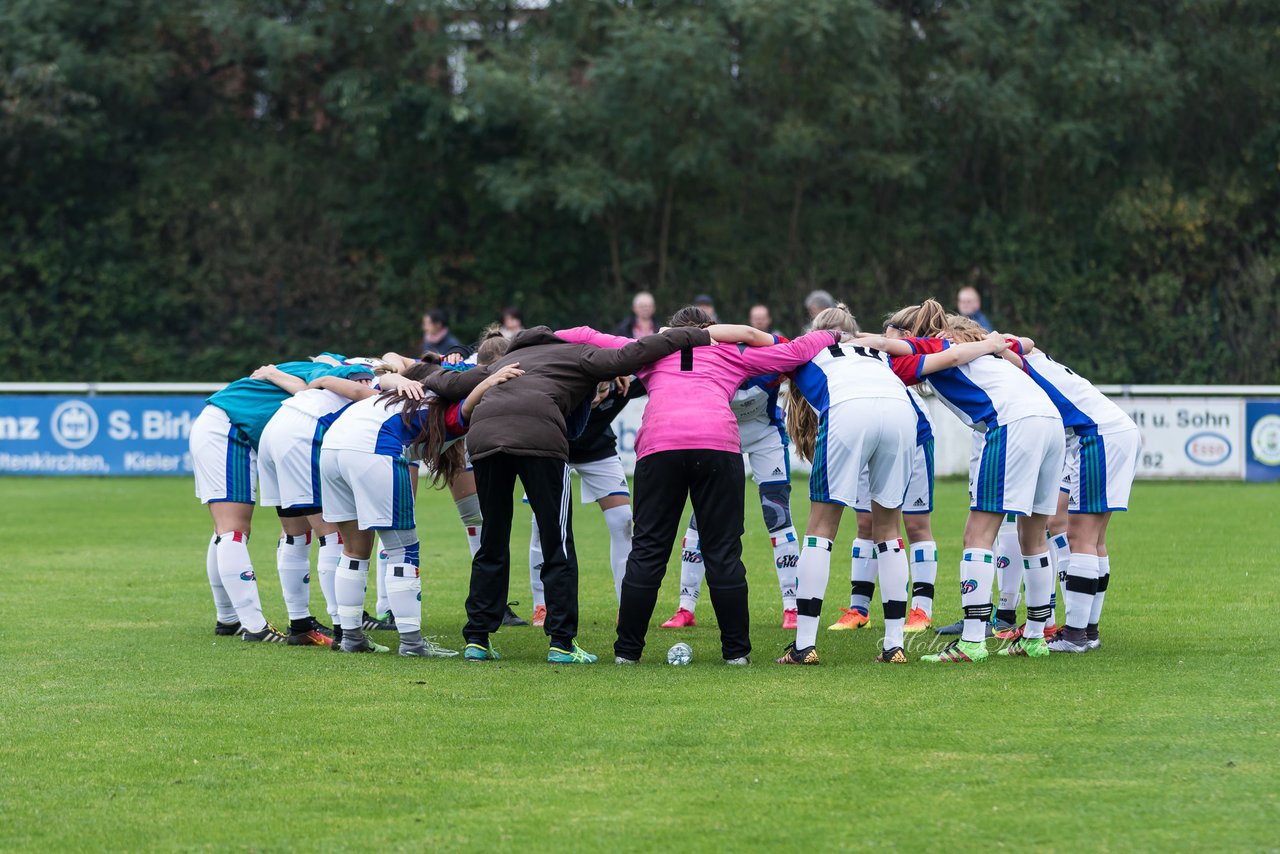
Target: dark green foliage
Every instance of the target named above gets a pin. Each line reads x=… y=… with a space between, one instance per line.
x=188 y=190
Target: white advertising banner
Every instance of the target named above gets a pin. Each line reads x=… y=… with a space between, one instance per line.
x=1181 y=437
x=1188 y=437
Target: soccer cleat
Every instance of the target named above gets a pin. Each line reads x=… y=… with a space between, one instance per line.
x=539 y=615
x=917 y=621
x=959 y=652
x=480 y=652
x=384 y=622
x=1093 y=643
x=958 y=628
x=897 y=655
x=1062 y=643
x=851 y=619
x=741 y=661
x=511 y=618
x=1008 y=631
x=426 y=648
x=789 y=618
x=1026 y=648
x=576 y=655
x=681 y=619
x=308 y=637
x=227 y=629
x=617 y=659
x=808 y=655
x=1050 y=630
x=269 y=634
x=360 y=644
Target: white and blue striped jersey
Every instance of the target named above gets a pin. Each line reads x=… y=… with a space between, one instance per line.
x=376 y=426
x=1085 y=410
x=321 y=404
x=924 y=421
x=845 y=372
x=988 y=392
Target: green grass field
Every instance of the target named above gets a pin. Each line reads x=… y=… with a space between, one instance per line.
x=128 y=725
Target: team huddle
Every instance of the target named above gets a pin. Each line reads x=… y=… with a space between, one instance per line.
x=337 y=446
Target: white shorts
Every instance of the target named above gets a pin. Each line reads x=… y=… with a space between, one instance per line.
x=1100 y=471
x=375 y=490
x=919 y=497
x=600 y=479
x=223 y=459
x=878 y=435
x=1017 y=467
x=766 y=452
x=289 y=460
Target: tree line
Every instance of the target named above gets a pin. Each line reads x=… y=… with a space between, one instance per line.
x=191 y=189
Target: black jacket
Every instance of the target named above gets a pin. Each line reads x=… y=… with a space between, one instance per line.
x=526 y=416
x=598 y=441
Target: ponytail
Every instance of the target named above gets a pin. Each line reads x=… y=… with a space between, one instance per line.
x=802 y=422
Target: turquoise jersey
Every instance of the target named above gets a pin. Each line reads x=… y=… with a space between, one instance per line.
x=250 y=403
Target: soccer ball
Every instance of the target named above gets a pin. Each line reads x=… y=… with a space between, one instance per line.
x=680 y=654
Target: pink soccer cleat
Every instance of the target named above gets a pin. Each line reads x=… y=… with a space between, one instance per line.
x=681 y=619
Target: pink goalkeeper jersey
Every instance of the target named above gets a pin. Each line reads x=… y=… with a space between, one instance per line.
x=689 y=391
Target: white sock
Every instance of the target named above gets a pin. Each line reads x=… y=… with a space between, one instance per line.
x=814 y=570
x=382 y=603
x=862 y=575
x=349 y=584
x=236 y=571
x=472 y=520
x=786 y=559
x=1060 y=551
x=1079 y=592
x=535 y=566
x=924 y=575
x=892 y=561
x=327 y=556
x=1009 y=569
x=221 y=601
x=1039 y=580
x=1104 y=578
x=691 y=570
x=404 y=591
x=977 y=571
x=293 y=563
x=618 y=520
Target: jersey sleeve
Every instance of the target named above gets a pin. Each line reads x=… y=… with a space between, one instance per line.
x=908 y=368
x=454 y=425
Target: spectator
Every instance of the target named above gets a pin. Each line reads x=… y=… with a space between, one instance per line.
x=708 y=305
x=436 y=337
x=970 y=305
x=640 y=322
x=512 y=322
x=818 y=301
x=759 y=318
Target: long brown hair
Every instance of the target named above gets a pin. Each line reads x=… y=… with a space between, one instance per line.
x=802 y=421
x=428 y=444
x=926 y=320
x=493 y=345
x=691 y=315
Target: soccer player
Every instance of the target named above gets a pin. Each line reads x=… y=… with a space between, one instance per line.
x=689 y=448
x=1018 y=471
x=368 y=485
x=224 y=447
x=1103 y=445
x=763 y=438
x=917 y=515
x=848 y=412
x=594 y=456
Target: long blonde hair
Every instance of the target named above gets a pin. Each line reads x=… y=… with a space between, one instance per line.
x=961 y=329
x=802 y=421
x=926 y=320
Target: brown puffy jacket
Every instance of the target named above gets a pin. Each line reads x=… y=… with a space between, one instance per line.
x=526 y=416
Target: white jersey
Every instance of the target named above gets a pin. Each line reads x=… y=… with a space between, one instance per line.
x=376 y=426
x=844 y=372
x=1084 y=409
x=988 y=392
x=321 y=404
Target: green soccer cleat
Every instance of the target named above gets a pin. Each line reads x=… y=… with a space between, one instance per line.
x=959 y=652
x=577 y=655
x=1026 y=648
x=480 y=652
x=360 y=644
